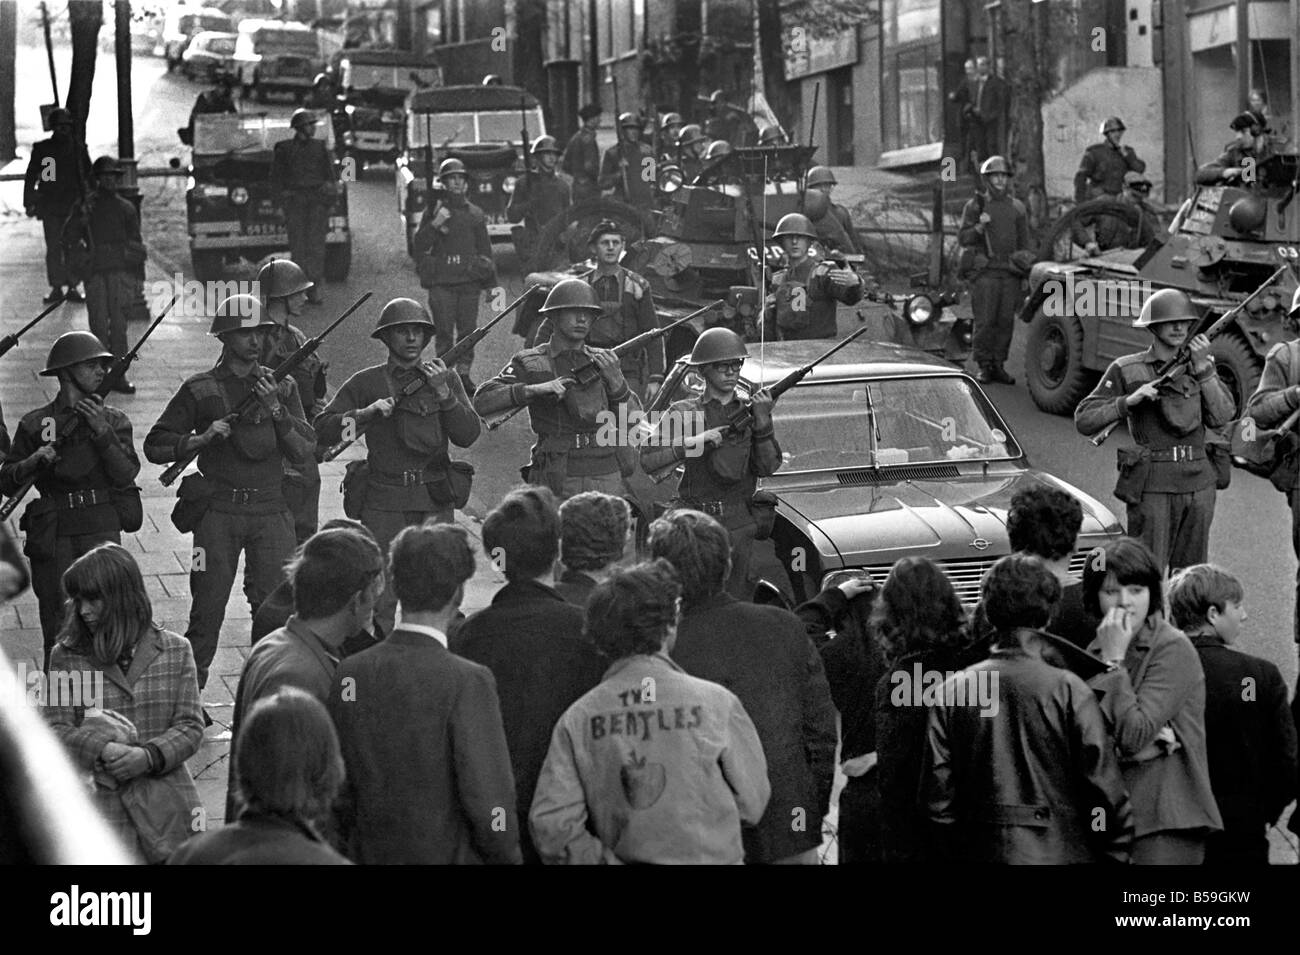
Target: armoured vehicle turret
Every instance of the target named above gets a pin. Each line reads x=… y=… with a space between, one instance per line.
x=1225 y=241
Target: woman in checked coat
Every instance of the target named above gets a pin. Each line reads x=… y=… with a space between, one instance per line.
x=140 y=719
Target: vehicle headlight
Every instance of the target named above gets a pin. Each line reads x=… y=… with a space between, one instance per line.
x=508 y=184
x=919 y=309
x=239 y=195
x=671 y=179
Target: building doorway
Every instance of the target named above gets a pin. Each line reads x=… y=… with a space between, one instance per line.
x=839 y=114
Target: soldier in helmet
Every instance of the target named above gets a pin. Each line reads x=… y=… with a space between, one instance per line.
x=1167 y=481
x=728 y=122
x=58 y=169
x=994 y=237
x=805 y=293
x=540 y=195
x=572 y=391
x=723 y=465
x=114 y=283
x=305 y=182
x=409 y=407
x=691 y=144
x=219 y=99
x=582 y=156
x=82 y=482
x=1113 y=232
x=670 y=127
x=283 y=287
x=1101 y=171
x=627 y=309
x=1276 y=397
x=235 y=503
x=322 y=94
x=1239 y=162
x=772 y=135
x=628 y=166
x=455 y=256
x=836 y=228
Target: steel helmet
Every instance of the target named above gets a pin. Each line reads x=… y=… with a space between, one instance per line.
x=690 y=133
x=402 y=311
x=794 y=223
x=303 y=117
x=1111 y=124
x=322 y=79
x=492 y=79
x=451 y=167
x=1167 y=305
x=629 y=119
x=717 y=149
x=821 y=176
x=1247 y=120
x=995 y=164
x=61 y=116
x=717 y=344
x=671 y=119
x=73 y=347
x=281 y=278
x=239 y=313
x=770 y=135
x=105 y=164
x=545 y=144
x=1295 y=304
x=571 y=293
x=717 y=97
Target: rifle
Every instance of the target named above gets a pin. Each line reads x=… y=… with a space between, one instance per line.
x=1183 y=357
x=115 y=374
x=743 y=417
x=9 y=341
x=618 y=142
x=448 y=358
x=812 y=126
x=587 y=373
x=281 y=372
x=523 y=145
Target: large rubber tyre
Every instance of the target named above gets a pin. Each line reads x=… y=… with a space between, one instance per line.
x=338 y=261
x=1238 y=367
x=563 y=240
x=1058 y=247
x=208 y=265
x=1054 y=364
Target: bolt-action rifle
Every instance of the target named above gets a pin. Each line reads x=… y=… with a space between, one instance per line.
x=9 y=341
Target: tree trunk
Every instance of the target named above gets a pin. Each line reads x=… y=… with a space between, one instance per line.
x=8 y=51
x=780 y=94
x=85 y=18
x=1024 y=44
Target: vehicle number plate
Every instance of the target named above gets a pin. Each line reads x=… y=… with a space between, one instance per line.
x=261 y=228
x=485 y=187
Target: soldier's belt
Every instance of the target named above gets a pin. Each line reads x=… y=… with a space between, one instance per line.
x=75 y=500
x=412 y=477
x=1179 y=452
x=712 y=508
x=569 y=442
x=245 y=495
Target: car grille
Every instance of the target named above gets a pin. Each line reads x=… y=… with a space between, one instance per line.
x=903 y=472
x=965 y=574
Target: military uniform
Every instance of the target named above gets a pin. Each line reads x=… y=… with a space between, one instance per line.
x=302 y=481
x=567 y=456
x=1101 y=170
x=408 y=476
x=581 y=160
x=458 y=268
x=994 y=280
x=213 y=101
x=76 y=511
x=243 y=504
x=1112 y=232
x=114 y=286
x=1235 y=155
x=627 y=309
x=51 y=188
x=722 y=480
x=300 y=169
x=632 y=188
x=837 y=231
x=806 y=301
x=1168 y=482
x=538 y=198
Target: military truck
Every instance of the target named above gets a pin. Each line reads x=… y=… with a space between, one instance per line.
x=1224 y=243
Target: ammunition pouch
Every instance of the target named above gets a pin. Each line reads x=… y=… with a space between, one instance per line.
x=129 y=507
x=1134 y=469
x=40 y=525
x=453 y=487
x=193 y=498
x=1216 y=450
x=356 y=483
x=763 y=508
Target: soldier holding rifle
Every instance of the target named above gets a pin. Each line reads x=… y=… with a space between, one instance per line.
x=1167 y=481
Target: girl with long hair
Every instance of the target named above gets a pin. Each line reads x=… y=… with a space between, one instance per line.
x=147 y=721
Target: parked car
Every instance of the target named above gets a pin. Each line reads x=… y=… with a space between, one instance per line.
x=184 y=23
x=277 y=56
x=208 y=54
x=888 y=452
x=230 y=211
x=370 y=112
x=479 y=125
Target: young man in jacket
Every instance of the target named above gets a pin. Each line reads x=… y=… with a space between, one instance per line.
x=529 y=637
x=764 y=656
x=593 y=538
x=1167 y=482
x=428 y=768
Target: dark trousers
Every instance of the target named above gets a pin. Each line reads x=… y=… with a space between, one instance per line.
x=1295 y=546
x=47 y=579
x=303 y=495
x=741 y=582
x=1175 y=526
x=306 y=219
x=110 y=298
x=455 y=315
x=386 y=525
x=859 y=820
x=994 y=298
x=266 y=541
x=55 y=269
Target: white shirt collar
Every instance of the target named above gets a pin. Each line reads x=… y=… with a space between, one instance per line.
x=433 y=632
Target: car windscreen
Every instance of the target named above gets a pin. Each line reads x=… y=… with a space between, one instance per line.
x=366 y=75
x=917 y=421
x=506 y=127
x=220 y=44
x=222 y=133
x=439 y=128
x=271 y=42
